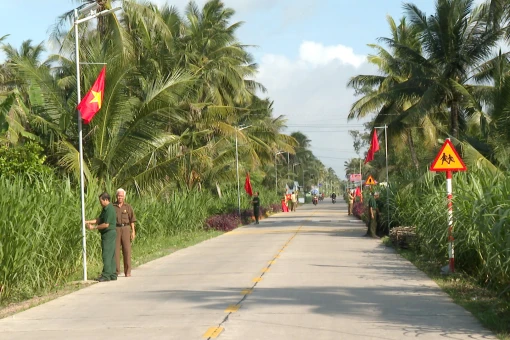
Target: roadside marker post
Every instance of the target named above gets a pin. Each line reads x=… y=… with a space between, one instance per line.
x=448 y=160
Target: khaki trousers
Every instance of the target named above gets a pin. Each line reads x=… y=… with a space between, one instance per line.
x=124 y=239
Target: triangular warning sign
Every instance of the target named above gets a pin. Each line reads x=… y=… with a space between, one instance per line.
x=370 y=181
x=448 y=159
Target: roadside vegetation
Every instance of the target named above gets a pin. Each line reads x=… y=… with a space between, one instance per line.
x=179 y=85
x=443 y=75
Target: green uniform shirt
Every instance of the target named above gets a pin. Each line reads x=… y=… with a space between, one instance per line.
x=109 y=216
x=372 y=204
x=256 y=202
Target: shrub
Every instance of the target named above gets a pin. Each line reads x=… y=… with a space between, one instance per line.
x=25 y=159
x=359 y=209
x=223 y=222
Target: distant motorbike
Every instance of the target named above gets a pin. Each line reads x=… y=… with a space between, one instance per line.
x=321 y=198
x=315 y=200
x=333 y=200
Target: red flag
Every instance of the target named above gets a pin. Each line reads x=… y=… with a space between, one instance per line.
x=247 y=185
x=357 y=192
x=374 y=147
x=93 y=100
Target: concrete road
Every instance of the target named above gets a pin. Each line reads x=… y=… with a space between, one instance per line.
x=302 y=275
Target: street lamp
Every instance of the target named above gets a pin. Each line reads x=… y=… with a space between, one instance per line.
x=276 y=170
x=293 y=165
x=237 y=171
x=89 y=9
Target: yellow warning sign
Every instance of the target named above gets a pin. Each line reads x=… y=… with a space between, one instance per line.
x=370 y=181
x=448 y=159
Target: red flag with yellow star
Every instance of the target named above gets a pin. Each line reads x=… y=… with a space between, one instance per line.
x=93 y=100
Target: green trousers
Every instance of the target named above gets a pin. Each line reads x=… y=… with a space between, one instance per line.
x=372 y=227
x=256 y=212
x=108 y=251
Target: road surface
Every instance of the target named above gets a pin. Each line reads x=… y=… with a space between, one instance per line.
x=301 y=275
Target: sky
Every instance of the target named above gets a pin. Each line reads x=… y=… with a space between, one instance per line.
x=306 y=50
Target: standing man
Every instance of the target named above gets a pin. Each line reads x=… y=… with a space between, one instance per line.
x=350 y=197
x=256 y=206
x=372 y=215
x=105 y=223
x=293 y=201
x=125 y=231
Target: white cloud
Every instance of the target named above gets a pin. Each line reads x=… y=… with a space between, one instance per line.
x=312 y=93
x=318 y=54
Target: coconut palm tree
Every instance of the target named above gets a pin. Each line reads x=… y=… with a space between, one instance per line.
x=454 y=40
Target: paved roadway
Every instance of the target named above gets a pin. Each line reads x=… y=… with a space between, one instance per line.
x=302 y=275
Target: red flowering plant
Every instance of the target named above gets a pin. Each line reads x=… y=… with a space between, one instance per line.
x=359 y=210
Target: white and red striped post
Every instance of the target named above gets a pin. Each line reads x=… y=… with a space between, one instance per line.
x=451 y=250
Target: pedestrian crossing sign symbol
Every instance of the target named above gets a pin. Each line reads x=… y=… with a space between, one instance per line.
x=448 y=159
x=370 y=181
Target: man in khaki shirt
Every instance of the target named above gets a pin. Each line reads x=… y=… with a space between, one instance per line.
x=125 y=231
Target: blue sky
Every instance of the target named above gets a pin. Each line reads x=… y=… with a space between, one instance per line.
x=307 y=51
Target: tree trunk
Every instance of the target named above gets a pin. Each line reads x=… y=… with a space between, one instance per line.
x=412 y=149
x=454 y=119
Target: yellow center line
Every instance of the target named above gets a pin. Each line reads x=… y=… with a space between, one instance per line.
x=214 y=332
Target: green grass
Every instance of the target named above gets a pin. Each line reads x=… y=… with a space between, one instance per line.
x=143 y=252
x=40 y=230
x=491 y=310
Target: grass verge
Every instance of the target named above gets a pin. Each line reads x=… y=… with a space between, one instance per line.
x=143 y=252
x=491 y=310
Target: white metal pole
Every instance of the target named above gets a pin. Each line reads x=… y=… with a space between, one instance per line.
x=276 y=173
x=451 y=250
x=387 y=177
x=237 y=171
x=80 y=146
x=288 y=167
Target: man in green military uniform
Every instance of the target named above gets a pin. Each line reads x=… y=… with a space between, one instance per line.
x=105 y=223
x=372 y=215
x=256 y=206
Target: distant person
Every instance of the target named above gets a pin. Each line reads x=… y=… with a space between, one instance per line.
x=256 y=206
x=293 y=201
x=125 y=232
x=284 y=204
x=350 y=201
x=372 y=215
x=105 y=223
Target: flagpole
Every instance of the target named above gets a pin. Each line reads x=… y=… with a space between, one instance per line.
x=80 y=147
x=387 y=177
x=385 y=127
x=237 y=172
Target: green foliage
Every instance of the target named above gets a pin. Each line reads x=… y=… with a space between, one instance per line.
x=40 y=228
x=481 y=206
x=26 y=159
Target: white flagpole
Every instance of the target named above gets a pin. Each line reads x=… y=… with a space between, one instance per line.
x=385 y=127
x=387 y=177
x=80 y=142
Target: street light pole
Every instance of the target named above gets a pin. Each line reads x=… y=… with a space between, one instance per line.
x=237 y=172
x=77 y=21
x=80 y=147
x=303 y=174
x=276 y=171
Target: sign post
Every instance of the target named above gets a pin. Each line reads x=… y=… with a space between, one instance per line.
x=448 y=160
